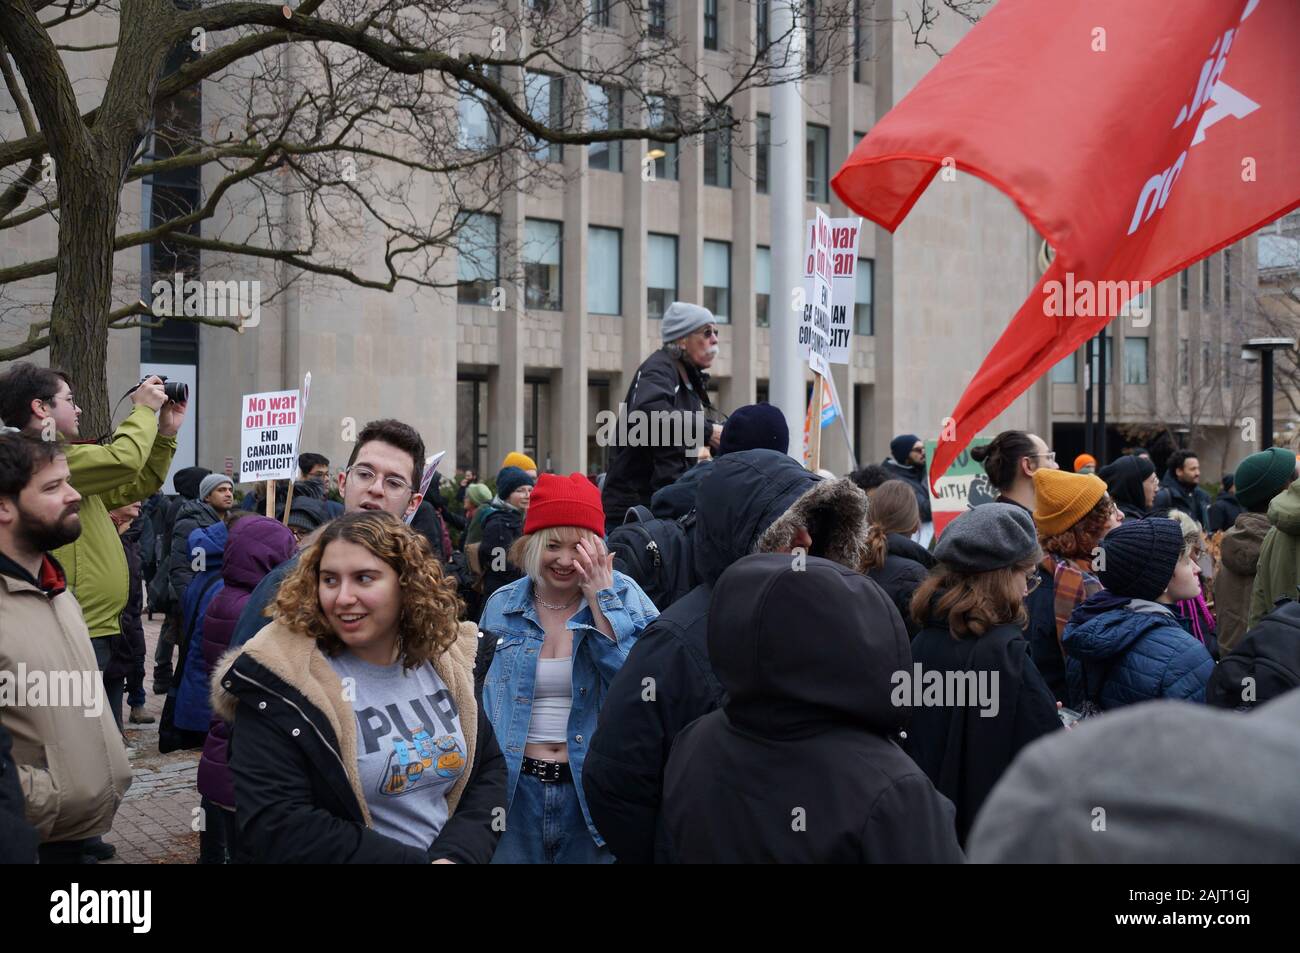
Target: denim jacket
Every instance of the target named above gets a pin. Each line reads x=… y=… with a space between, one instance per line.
x=510 y=618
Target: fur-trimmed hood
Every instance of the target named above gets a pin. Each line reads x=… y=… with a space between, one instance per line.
x=835 y=514
x=299 y=663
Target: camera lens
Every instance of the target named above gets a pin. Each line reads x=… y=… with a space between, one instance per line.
x=177 y=391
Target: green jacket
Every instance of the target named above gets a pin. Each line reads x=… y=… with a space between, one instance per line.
x=1279 y=557
x=131 y=468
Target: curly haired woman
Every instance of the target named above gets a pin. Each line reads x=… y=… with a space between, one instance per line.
x=357 y=736
x=1073 y=513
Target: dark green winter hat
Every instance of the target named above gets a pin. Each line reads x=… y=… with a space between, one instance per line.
x=1262 y=476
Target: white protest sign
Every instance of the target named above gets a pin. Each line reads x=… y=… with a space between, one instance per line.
x=815 y=329
x=426 y=478
x=845 y=235
x=270 y=424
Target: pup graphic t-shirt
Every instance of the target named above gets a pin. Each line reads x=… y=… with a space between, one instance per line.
x=410 y=747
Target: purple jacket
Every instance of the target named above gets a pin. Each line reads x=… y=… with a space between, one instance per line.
x=256 y=546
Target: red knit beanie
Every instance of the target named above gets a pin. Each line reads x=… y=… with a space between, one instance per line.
x=565 y=501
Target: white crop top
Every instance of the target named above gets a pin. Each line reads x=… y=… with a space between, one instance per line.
x=552 y=699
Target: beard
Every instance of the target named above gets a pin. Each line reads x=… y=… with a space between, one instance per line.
x=45 y=537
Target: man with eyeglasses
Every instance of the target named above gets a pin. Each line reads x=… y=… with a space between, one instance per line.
x=671 y=381
x=383 y=473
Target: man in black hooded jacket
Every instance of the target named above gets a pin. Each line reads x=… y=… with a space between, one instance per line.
x=801 y=764
x=667 y=681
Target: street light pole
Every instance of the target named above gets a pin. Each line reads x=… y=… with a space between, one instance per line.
x=1262 y=349
x=786 y=185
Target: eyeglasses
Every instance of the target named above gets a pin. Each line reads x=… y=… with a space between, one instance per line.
x=1050 y=456
x=1033 y=580
x=393 y=486
x=708 y=332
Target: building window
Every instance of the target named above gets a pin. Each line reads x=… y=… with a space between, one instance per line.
x=1182 y=290
x=605 y=111
x=661 y=273
x=537 y=401
x=658 y=17
x=1206 y=361
x=600 y=15
x=477 y=263
x=710 y=24
x=542 y=255
x=763 y=19
x=604 y=270
x=717 y=149
x=1135 y=360
x=662 y=111
x=544 y=96
x=480 y=126
x=862 y=37
x=1184 y=362
x=1065 y=370
x=818 y=139
x=1227 y=277
x=1205 y=283
x=762 y=151
x=717 y=280
x=471 y=424
x=1227 y=366
x=864 y=293
x=597 y=401
x=762 y=286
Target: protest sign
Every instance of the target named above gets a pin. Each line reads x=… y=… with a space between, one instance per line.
x=270 y=422
x=845 y=234
x=963 y=485
x=815 y=328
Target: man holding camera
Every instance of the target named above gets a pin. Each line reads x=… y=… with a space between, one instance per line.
x=132 y=467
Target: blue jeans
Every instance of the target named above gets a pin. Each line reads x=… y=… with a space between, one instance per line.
x=545 y=826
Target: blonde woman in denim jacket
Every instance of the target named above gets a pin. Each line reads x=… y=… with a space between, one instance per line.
x=558 y=636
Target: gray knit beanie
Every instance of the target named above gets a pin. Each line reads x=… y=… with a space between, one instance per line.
x=211 y=482
x=988 y=537
x=681 y=319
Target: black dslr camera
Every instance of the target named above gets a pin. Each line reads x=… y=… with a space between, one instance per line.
x=178 y=392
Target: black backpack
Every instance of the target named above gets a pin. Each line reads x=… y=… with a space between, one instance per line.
x=1269 y=654
x=656 y=553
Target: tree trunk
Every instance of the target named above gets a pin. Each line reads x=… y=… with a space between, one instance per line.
x=83 y=290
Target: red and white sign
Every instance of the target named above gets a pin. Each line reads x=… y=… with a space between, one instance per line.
x=845 y=234
x=269 y=448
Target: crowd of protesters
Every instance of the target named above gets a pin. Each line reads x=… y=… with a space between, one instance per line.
x=710 y=654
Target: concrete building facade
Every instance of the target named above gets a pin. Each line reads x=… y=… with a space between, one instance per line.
x=532 y=368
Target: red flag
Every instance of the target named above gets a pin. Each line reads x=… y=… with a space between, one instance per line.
x=1137 y=138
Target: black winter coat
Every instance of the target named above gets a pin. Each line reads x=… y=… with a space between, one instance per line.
x=163 y=523
x=1172 y=495
x=677 y=499
x=1224 y=511
x=799 y=765
x=635 y=473
x=906 y=566
x=192 y=515
x=622 y=775
x=18 y=839
x=963 y=751
x=293 y=798
x=914 y=476
x=500 y=530
x=132 y=628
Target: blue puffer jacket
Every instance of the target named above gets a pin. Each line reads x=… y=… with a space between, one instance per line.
x=1135 y=650
x=193 y=705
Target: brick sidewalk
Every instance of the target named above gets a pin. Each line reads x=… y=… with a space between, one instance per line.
x=156 y=823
